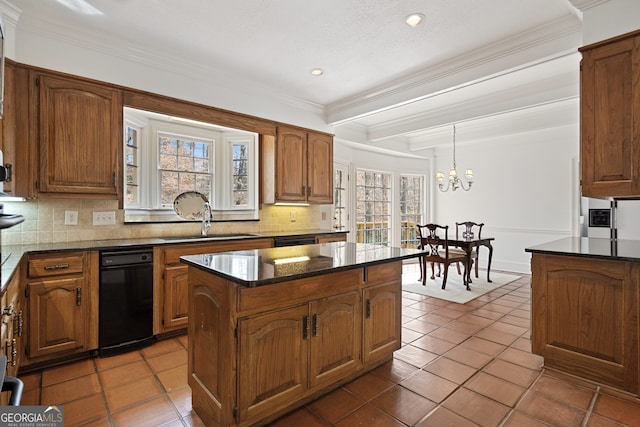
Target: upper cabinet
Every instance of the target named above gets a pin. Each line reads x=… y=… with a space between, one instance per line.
x=80 y=127
x=610 y=117
x=297 y=167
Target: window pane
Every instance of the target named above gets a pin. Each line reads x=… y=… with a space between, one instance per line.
x=412 y=192
x=184 y=165
x=373 y=207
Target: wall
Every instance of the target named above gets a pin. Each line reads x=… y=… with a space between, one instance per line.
x=525 y=188
x=44 y=222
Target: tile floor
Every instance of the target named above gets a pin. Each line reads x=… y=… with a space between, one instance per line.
x=460 y=365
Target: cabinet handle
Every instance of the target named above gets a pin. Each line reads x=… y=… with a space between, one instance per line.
x=78 y=295
x=314 y=326
x=367 y=308
x=303 y=190
x=7 y=169
x=56 y=266
x=14 y=352
x=18 y=331
x=7 y=311
x=305 y=328
x=308 y=191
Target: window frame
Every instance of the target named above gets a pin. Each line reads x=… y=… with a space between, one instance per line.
x=150 y=126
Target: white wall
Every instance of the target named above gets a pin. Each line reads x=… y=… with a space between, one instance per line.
x=525 y=191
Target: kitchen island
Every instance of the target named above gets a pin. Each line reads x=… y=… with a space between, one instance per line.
x=271 y=329
x=585 y=294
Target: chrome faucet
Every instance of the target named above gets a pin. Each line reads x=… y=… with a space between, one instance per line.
x=206 y=218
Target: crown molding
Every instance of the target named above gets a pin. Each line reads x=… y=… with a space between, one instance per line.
x=583 y=5
x=525 y=47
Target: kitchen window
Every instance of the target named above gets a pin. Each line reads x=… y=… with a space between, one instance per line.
x=166 y=156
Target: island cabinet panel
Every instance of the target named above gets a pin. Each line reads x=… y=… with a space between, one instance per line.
x=273 y=349
x=382 y=311
x=585 y=317
x=256 y=353
x=335 y=338
x=212 y=349
x=610 y=117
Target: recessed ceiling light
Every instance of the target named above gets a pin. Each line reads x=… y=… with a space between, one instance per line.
x=414 y=19
x=317 y=72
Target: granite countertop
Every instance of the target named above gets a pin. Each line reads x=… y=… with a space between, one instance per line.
x=624 y=250
x=266 y=266
x=11 y=255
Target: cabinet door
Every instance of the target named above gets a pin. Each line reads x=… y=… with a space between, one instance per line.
x=610 y=119
x=382 y=322
x=335 y=338
x=176 y=297
x=57 y=317
x=272 y=361
x=291 y=165
x=320 y=168
x=80 y=137
x=584 y=315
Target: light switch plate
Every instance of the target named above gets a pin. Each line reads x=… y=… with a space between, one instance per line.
x=104 y=218
x=70 y=217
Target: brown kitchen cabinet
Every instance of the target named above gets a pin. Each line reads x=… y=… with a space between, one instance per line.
x=317 y=344
x=584 y=317
x=171 y=290
x=62 y=310
x=316 y=326
x=609 y=111
x=80 y=126
x=382 y=299
x=297 y=167
x=328 y=238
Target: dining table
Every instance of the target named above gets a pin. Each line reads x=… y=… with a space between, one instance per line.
x=468 y=244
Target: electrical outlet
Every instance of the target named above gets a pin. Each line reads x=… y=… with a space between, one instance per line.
x=104 y=218
x=293 y=216
x=70 y=217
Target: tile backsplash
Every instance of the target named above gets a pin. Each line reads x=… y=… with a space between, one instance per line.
x=45 y=222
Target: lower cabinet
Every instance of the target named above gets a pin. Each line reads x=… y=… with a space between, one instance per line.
x=61 y=305
x=171 y=293
x=584 y=317
x=316 y=345
x=257 y=353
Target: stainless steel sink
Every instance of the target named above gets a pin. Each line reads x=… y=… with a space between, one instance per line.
x=209 y=237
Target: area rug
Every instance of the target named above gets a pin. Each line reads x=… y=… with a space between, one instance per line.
x=455 y=290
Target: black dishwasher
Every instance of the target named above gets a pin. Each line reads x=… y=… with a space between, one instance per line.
x=126 y=301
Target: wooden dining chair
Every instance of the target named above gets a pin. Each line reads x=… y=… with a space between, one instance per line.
x=471 y=230
x=434 y=240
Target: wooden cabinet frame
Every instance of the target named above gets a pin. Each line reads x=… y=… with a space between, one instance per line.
x=256 y=353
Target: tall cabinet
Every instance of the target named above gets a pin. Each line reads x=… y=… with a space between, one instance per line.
x=610 y=117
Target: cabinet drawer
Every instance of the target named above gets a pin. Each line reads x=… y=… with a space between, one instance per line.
x=55 y=265
x=383 y=273
x=297 y=291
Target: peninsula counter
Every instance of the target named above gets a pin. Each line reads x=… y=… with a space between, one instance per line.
x=271 y=329
x=585 y=294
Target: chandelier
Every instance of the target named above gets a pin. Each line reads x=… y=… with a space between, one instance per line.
x=454 y=182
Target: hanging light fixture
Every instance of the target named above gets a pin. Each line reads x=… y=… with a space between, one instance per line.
x=454 y=182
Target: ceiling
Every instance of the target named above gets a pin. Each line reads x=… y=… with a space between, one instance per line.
x=384 y=83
